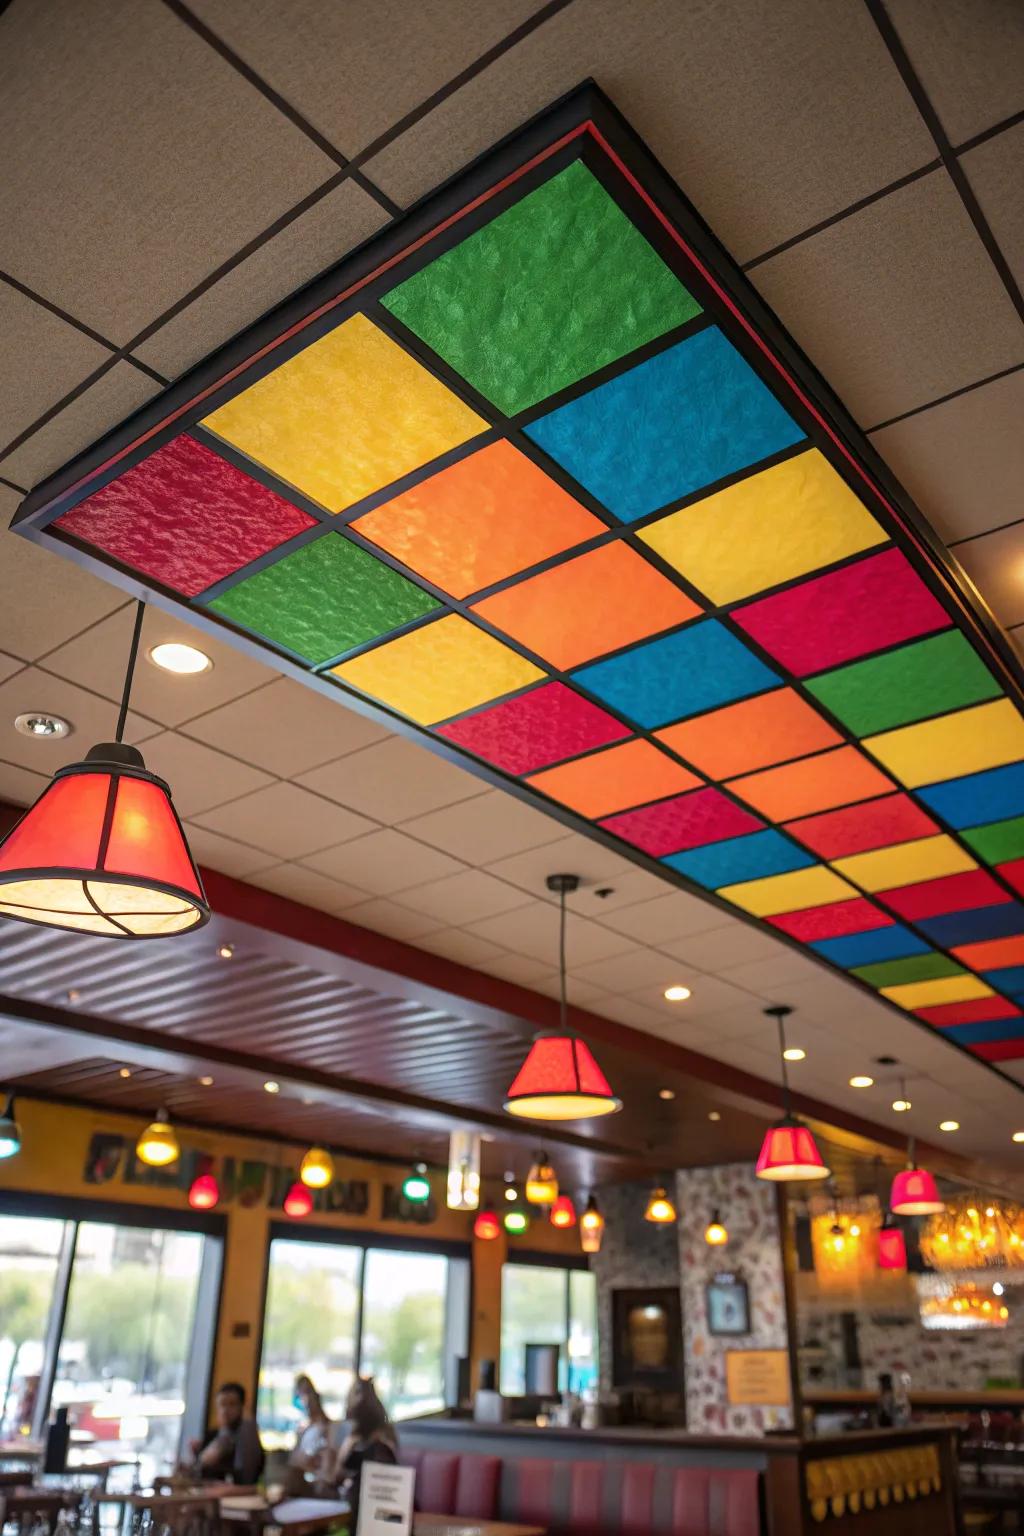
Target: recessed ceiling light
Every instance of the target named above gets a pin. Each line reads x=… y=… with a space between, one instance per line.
x=714 y=1115
x=794 y=1053
x=676 y=994
x=901 y=1106
x=1018 y=1136
x=182 y=660
x=44 y=727
x=206 y=1082
x=271 y=1087
x=666 y=1093
x=225 y=951
x=862 y=1081
x=125 y=1072
x=949 y=1125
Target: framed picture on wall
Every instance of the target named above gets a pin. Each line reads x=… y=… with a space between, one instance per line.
x=647 y=1338
x=728 y=1305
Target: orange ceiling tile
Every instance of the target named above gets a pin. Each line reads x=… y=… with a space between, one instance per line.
x=616 y=779
x=812 y=784
x=992 y=954
x=586 y=607
x=480 y=520
x=755 y=733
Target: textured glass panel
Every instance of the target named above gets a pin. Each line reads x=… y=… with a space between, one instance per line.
x=832 y=920
x=927 y=859
x=812 y=784
x=703 y=816
x=944 y=1014
x=863 y=948
x=952 y=893
x=913 y=968
x=856 y=828
x=753 y=734
x=978 y=797
x=993 y=922
x=985 y=736
x=544 y=726
x=788 y=893
x=943 y=672
x=998 y=842
x=741 y=858
x=615 y=779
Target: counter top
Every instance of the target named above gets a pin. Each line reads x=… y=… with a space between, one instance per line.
x=998 y=1397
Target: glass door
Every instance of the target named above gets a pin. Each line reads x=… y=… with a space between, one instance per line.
x=30 y=1262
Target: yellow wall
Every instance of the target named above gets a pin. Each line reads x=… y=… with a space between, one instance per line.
x=55 y=1146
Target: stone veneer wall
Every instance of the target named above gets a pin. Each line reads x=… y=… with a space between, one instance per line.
x=748 y=1208
x=633 y=1253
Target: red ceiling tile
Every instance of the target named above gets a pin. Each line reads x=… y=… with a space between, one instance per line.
x=952 y=893
x=532 y=730
x=859 y=828
x=1013 y=874
x=978 y=1011
x=998 y=1050
x=856 y=915
x=847 y=613
x=185 y=516
x=687 y=821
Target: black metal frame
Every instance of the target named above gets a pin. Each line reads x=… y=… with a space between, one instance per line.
x=584 y=125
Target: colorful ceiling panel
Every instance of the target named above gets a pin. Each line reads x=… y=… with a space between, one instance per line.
x=535 y=476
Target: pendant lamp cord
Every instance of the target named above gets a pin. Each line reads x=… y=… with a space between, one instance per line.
x=562 y=1005
x=132 y=655
x=782 y=1058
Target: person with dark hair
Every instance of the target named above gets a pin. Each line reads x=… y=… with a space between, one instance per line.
x=231 y=1450
x=314 y=1450
x=371 y=1437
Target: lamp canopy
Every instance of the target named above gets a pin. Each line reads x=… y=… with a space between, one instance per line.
x=592 y=1226
x=563 y=1212
x=157 y=1147
x=541 y=1187
x=487 y=1226
x=298 y=1202
x=892 y=1246
x=204 y=1192
x=660 y=1209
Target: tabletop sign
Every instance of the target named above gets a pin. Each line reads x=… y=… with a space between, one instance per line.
x=385 y=1500
x=757 y=1377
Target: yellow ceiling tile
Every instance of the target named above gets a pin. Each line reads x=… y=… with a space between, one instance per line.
x=944 y=989
x=927 y=858
x=966 y=742
x=439 y=670
x=768 y=528
x=350 y=413
x=802 y=888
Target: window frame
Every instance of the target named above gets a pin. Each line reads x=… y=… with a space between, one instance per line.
x=569 y=1264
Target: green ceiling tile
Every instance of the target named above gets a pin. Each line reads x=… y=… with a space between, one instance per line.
x=325 y=599
x=891 y=973
x=907 y=684
x=999 y=841
x=557 y=286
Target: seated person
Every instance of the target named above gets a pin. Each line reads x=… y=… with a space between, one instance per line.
x=231 y=1451
x=313 y=1453
x=371 y=1437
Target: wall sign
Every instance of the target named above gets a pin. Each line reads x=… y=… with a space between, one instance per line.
x=728 y=1304
x=757 y=1377
x=385 y=1500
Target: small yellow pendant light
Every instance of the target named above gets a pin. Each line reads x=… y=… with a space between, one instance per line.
x=317 y=1168
x=541 y=1186
x=660 y=1208
x=157 y=1147
x=591 y=1227
x=716 y=1234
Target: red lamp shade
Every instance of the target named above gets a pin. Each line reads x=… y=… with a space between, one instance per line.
x=298 y=1201
x=486 y=1226
x=563 y=1212
x=560 y=1080
x=789 y=1153
x=204 y=1192
x=102 y=851
x=914 y=1193
x=892 y=1248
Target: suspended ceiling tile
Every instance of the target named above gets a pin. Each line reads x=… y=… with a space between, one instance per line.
x=465 y=948
x=760 y=86
x=666 y=919
x=580 y=994
x=393 y=780
x=767 y=976
x=995 y=170
x=19 y=785
x=199 y=777
x=285 y=820
x=571 y=855
x=395 y=56
x=307 y=728
x=462 y=898
x=488 y=827
x=121 y=390
x=224 y=853
x=592 y=900
x=384 y=916
x=722 y=944
x=642 y=971
x=533 y=931
x=519 y=969
x=383 y=862
x=896 y=304
x=94 y=122
x=304 y=885
x=98 y=663
x=8 y=666
x=92 y=719
x=970 y=57
x=340 y=220
x=963 y=461
x=45 y=358
x=710 y=995
x=995 y=563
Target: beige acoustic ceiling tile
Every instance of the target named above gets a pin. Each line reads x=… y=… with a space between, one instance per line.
x=304 y=885
x=8 y=666
x=723 y=943
x=770 y=117
x=121 y=390
x=767 y=976
x=44 y=599
x=897 y=304
x=489 y=827
x=518 y=969
x=969 y=55
x=533 y=931
x=631 y=888
x=574 y=854
x=91 y=718
x=97 y=660
x=20 y=786
x=579 y=994
x=464 y=898
x=627 y=1010
x=223 y=853
x=385 y=916
x=995 y=563
x=138 y=158
x=665 y=920
x=200 y=778
x=44 y=358
x=395 y=55
x=285 y=727
x=963 y=461
x=644 y=972
x=996 y=172
x=709 y=996
x=342 y=219
x=287 y=821
x=384 y=862
x=465 y=948
x=393 y=781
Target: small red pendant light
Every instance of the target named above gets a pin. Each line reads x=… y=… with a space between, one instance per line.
x=892 y=1246
x=914 y=1191
x=204 y=1191
x=560 y=1080
x=102 y=850
x=298 y=1202
x=487 y=1226
x=563 y=1213
x=789 y=1152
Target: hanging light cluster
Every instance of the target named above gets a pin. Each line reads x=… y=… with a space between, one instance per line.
x=789 y=1152
x=844 y=1239
x=964 y=1307
x=515 y=1217
x=463 y=1190
x=973 y=1232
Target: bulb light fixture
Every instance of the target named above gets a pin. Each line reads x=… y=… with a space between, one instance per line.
x=901 y=1104
x=541 y=1186
x=563 y=1213
x=487 y=1226
x=317 y=1168
x=677 y=994
x=659 y=1209
x=157 y=1147
x=416 y=1185
x=892 y=1245
x=298 y=1202
x=794 y=1053
x=716 y=1234
x=102 y=850
x=463 y=1188
x=183 y=660
x=10 y=1135
x=789 y=1152
x=560 y=1080
x=515 y=1219
x=862 y=1080
x=592 y=1224
x=914 y=1191
x=204 y=1191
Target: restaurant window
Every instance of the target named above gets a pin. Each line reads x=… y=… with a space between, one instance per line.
x=548 y=1304
x=403 y=1329
x=30 y=1251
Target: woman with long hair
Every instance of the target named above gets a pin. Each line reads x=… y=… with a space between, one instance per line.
x=313 y=1448
x=371 y=1437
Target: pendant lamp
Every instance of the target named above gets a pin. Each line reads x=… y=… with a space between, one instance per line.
x=416 y=1185
x=298 y=1202
x=892 y=1246
x=715 y=1233
x=591 y=1227
x=515 y=1219
x=789 y=1152
x=317 y=1168
x=157 y=1147
x=204 y=1191
x=463 y=1192
x=102 y=850
x=563 y=1213
x=560 y=1080
x=660 y=1209
x=10 y=1135
x=541 y=1187
x=914 y=1191
x=487 y=1226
